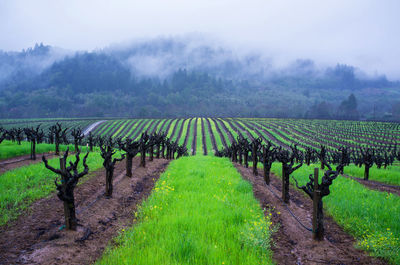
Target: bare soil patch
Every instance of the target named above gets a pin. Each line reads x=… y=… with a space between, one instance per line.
x=38 y=238
x=20 y=161
x=375 y=185
x=293 y=244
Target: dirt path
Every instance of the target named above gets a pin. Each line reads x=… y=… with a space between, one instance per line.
x=15 y=162
x=92 y=127
x=375 y=185
x=36 y=238
x=292 y=243
x=212 y=136
x=221 y=135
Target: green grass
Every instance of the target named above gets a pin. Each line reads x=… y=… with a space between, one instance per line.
x=159 y=126
x=200 y=212
x=121 y=128
x=150 y=128
x=10 y=149
x=171 y=128
x=372 y=217
x=132 y=130
x=390 y=175
x=229 y=127
x=145 y=127
x=163 y=129
x=216 y=134
x=199 y=139
x=210 y=150
x=189 y=143
x=184 y=132
x=22 y=186
x=252 y=132
x=109 y=127
x=179 y=125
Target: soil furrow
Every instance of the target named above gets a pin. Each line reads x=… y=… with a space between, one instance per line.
x=212 y=136
x=138 y=130
x=174 y=129
x=221 y=135
x=187 y=133
x=375 y=185
x=20 y=161
x=168 y=126
x=162 y=125
x=180 y=131
x=155 y=126
x=228 y=132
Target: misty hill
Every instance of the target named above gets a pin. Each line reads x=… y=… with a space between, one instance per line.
x=181 y=77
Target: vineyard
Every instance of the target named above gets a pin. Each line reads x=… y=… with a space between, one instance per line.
x=206 y=135
x=358 y=206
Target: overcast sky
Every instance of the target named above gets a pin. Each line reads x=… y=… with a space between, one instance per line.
x=364 y=33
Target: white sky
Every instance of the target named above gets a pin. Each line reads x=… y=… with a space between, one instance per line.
x=363 y=33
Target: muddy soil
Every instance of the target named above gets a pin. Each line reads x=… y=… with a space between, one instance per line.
x=375 y=185
x=293 y=244
x=20 y=161
x=38 y=236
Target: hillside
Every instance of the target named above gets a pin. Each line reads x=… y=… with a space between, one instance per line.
x=177 y=78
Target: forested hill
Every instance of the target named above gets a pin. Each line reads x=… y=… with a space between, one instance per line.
x=167 y=78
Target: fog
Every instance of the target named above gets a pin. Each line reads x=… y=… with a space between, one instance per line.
x=29 y=62
x=362 y=33
x=162 y=56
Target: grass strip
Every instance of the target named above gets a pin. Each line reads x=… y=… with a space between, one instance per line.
x=390 y=175
x=199 y=138
x=10 y=149
x=208 y=135
x=200 y=212
x=184 y=132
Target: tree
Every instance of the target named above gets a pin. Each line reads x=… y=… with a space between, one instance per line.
x=69 y=180
x=367 y=157
x=244 y=149
x=34 y=136
x=396 y=110
x=78 y=136
x=59 y=135
x=3 y=134
x=322 y=156
x=348 y=109
x=317 y=194
x=91 y=141
x=345 y=75
x=107 y=153
x=319 y=111
x=255 y=148
x=181 y=151
x=309 y=155
x=132 y=149
x=17 y=134
x=287 y=159
x=145 y=142
x=159 y=139
x=268 y=157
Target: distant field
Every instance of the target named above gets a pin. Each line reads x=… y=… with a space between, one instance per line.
x=45 y=124
x=216 y=133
